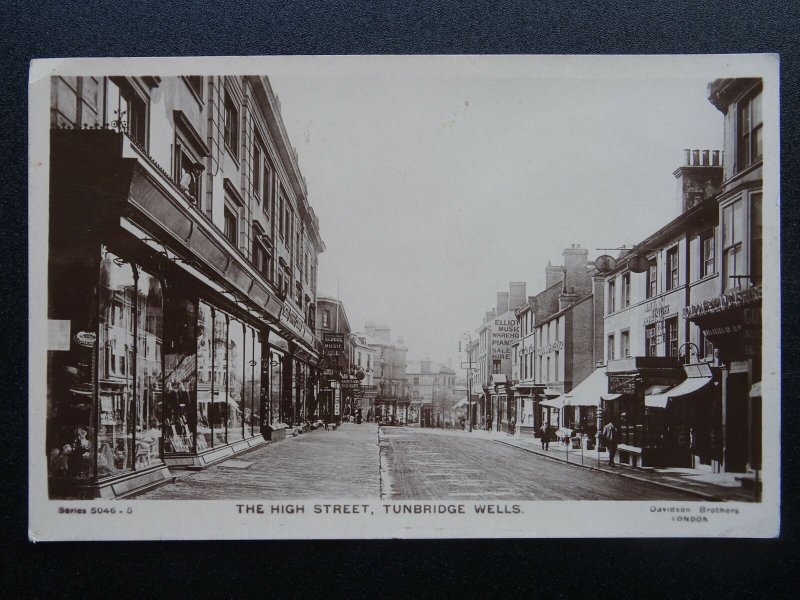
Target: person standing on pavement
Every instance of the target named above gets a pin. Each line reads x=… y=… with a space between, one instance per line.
x=611 y=439
x=544 y=432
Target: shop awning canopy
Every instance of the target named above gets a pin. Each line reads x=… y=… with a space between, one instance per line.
x=588 y=392
x=755 y=390
x=461 y=403
x=498 y=379
x=553 y=402
x=684 y=388
x=550 y=393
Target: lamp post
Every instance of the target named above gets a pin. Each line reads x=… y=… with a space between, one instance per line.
x=688 y=355
x=468 y=337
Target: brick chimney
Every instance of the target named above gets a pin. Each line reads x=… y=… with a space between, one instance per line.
x=578 y=281
x=383 y=333
x=518 y=291
x=502 y=303
x=553 y=274
x=488 y=316
x=699 y=177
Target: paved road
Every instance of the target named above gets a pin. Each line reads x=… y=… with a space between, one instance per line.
x=422 y=464
x=320 y=464
x=400 y=463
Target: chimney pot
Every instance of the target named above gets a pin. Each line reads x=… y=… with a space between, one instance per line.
x=687 y=157
x=695 y=157
x=705 y=158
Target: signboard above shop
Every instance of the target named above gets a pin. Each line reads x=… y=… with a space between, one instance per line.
x=333 y=343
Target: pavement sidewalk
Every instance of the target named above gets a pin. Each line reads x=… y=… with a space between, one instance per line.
x=704 y=484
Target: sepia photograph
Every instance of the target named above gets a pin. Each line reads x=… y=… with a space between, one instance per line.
x=422 y=297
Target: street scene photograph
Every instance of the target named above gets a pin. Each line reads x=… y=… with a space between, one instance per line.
x=419 y=282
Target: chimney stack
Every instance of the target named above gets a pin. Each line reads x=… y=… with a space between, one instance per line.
x=700 y=177
x=553 y=274
x=502 y=303
x=518 y=294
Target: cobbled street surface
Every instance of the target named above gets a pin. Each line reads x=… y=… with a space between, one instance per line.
x=428 y=464
x=400 y=463
x=344 y=463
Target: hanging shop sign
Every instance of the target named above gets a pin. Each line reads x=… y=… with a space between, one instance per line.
x=721 y=303
x=333 y=343
x=350 y=384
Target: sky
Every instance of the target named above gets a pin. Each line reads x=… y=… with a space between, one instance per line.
x=434 y=191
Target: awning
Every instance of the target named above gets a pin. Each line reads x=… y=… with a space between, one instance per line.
x=755 y=390
x=684 y=388
x=550 y=393
x=610 y=396
x=553 y=402
x=498 y=379
x=589 y=391
x=461 y=403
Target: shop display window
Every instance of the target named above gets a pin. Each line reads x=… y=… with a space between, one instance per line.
x=235 y=380
x=115 y=343
x=251 y=390
x=218 y=407
x=205 y=378
x=180 y=374
x=276 y=384
x=148 y=446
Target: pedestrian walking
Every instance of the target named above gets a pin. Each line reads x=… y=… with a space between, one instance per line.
x=611 y=439
x=544 y=432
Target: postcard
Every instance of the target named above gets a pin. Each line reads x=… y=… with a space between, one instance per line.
x=368 y=297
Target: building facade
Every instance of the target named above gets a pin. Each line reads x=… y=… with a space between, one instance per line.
x=649 y=345
x=731 y=320
x=182 y=278
x=392 y=401
x=431 y=390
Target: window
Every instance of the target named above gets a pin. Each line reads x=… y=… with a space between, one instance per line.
x=231 y=133
x=369 y=366
x=127 y=111
x=281 y=215
x=230 y=226
x=416 y=380
x=750 y=142
x=755 y=239
x=305 y=267
x=257 y=161
x=195 y=83
x=612 y=296
x=672 y=268
x=298 y=250
x=707 y=266
x=548 y=369
x=262 y=260
x=625 y=344
x=326 y=318
x=672 y=336
x=556 y=373
x=298 y=292
x=188 y=172
x=732 y=251
x=610 y=351
x=359 y=359
x=651 y=340
x=626 y=290
x=496 y=369
x=704 y=344
x=652 y=279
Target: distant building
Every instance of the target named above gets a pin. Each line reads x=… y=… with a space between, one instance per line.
x=392 y=400
x=431 y=389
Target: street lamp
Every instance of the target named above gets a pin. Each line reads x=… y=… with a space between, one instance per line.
x=468 y=337
x=688 y=355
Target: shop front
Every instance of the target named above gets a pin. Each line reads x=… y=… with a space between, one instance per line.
x=654 y=409
x=156 y=331
x=732 y=323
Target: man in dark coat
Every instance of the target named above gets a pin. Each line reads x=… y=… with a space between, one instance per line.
x=611 y=439
x=544 y=432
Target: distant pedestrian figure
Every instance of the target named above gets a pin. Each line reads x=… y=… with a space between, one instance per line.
x=544 y=432
x=611 y=439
